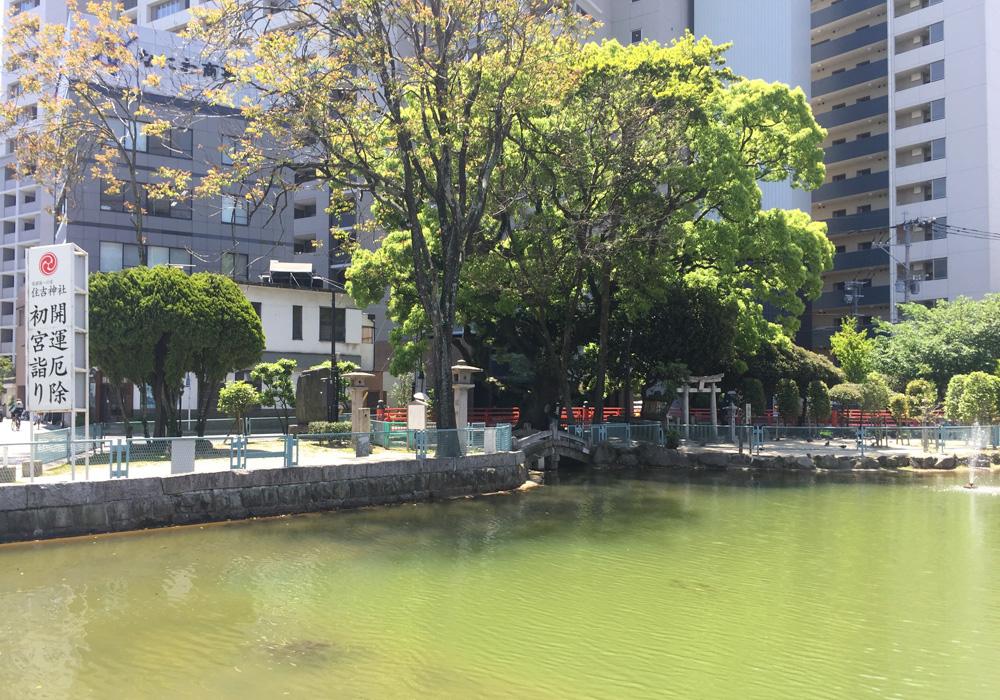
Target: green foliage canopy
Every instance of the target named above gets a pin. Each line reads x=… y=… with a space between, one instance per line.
x=854 y=350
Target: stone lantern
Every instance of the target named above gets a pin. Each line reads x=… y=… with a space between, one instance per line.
x=357 y=382
x=461 y=379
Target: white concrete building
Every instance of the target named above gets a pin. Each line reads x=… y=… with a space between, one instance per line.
x=909 y=92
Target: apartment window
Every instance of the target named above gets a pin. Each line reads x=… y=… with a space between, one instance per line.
x=173 y=142
x=132 y=135
x=839 y=142
x=118 y=256
x=865 y=245
x=165 y=9
x=936 y=269
x=305 y=210
x=839 y=212
x=114 y=196
x=13 y=90
x=324 y=324
x=22 y=5
x=305 y=246
x=28 y=225
x=29 y=113
x=939 y=188
x=636 y=36
x=29 y=197
x=905 y=7
x=230 y=145
x=234 y=211
x=937 y=149
x=257 y=308
x=235 y=265
x=839 y=177
x=840 y=105
x=840 y=249
x=936 y=110
x=921 y=114
x=172 y=209
x=863 y=135
x=863 y=172
x=863 y=209
x=296 y=322
x=839 y=71
x=111 y=256
x=865 y=98
x=10 y=200
x=928 y=230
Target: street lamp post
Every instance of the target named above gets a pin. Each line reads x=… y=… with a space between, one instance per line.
x=333 y=378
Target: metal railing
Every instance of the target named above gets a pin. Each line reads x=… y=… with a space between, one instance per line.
x=65 y=455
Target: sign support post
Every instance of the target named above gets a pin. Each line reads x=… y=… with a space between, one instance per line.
x=57 y=341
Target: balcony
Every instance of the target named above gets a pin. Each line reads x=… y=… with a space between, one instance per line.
x=7 y=348
x=841 y=10
x=858 y=222
x=7 y=320
x=850 y=78
x=857 y=148
x=871 y=296
x=852 y=186
x=856 y=40
x=858 y=259
x=874 y=107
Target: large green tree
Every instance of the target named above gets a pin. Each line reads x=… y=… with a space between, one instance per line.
x=936 y=343
x=641 y=181
x=410 y=101
x=150 y=326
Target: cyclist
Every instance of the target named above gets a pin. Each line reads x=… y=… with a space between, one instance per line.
x=16 y=413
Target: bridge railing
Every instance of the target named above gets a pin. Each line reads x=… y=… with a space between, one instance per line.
x=594 y=434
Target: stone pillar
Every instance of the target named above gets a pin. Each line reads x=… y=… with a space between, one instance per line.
x=687 y=411
x=713 y=409
x=360 y=416
x=461 y=379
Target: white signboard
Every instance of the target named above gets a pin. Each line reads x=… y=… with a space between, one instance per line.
x=55 y=329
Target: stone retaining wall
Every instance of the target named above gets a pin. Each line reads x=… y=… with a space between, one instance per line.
x=610 y=455
x=36 y=511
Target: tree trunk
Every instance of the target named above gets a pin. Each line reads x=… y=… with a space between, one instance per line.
x=119 y=394
x=207 y=391
x=444 y=392
x=604 y=292
x=143 y=392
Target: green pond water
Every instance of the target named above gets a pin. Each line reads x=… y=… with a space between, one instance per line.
x=643 y=585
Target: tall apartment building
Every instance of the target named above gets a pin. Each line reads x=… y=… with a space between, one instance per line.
x=221 y=236
x=909 y=92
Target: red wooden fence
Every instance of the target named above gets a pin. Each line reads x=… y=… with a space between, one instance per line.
x=489 y=416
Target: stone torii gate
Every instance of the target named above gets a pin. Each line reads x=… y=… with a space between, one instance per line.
x=698 y=386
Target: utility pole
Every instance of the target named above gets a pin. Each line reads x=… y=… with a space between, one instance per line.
x=907 y=241
x=853 y=295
